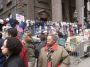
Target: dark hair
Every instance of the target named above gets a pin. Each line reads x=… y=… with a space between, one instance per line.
x=14 y=45
x=0 y=35
x=12 y=31
x=43 y=37
x=60 y=34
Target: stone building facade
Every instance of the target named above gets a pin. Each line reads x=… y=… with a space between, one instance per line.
x=57 y=10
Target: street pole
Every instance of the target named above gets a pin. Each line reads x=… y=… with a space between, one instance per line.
x=80 y=11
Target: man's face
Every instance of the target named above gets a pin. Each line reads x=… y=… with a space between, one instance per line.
x=50 y=40
x=27 y=38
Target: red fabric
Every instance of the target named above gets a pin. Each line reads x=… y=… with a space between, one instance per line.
x=5 y=23
x=59 y=65
x=54 y=47
x=23 y=54
x=49 y=64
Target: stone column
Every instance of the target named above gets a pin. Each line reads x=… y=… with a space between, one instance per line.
x=56 y=10
x=67 y=10
x=80 y=10
x=30 y=9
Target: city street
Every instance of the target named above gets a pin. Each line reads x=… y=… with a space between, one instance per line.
x=44 y=33
x=84 y=62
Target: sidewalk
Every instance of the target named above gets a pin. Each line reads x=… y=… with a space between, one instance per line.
x=76 y=62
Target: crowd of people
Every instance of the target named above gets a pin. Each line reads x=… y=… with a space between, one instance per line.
x=21 y=53
x=18 y=48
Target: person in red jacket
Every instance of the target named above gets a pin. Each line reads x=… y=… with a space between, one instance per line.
x=30 y=49
x=12 y=32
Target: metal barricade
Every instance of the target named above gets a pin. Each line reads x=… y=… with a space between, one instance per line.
x=77 y=54
x=81 y=50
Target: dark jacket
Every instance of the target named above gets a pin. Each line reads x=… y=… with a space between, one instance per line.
x=41 y=45
x=14 y=61
x=2 y=57
x=1 y=42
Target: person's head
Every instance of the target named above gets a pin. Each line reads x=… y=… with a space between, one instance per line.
x=12 y=32
x=28 y=36
x=43 y=37
x=60 y=35
x=0 y=35
x=11 y=46
x=51 y=39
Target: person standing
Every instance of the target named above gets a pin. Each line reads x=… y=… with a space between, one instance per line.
x=42 y=43
x=2 y=57
x=30 y=49
x=11 y=49
x=61 y=40
x=53 y=55
x=12 y=32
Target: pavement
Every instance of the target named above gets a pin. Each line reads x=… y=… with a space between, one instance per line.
x=80 y=62
x=77 y=62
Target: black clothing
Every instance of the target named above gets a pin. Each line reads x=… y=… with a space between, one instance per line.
x=2 y=57
x=14 y=61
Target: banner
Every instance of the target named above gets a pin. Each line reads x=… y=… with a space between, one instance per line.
x=20 y=17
